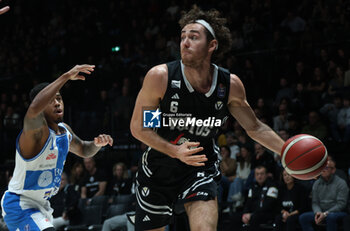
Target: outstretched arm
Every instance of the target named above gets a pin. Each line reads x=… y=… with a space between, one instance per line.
x=35 y=129
x=152 y=91
x=4 y=9
x=244 y=114
x=87 y=149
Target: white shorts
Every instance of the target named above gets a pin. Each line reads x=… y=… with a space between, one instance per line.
x=23 y=214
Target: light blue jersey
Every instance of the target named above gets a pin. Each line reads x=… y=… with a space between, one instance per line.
x=25 y=204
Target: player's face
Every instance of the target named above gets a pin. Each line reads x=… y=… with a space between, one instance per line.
x=54 y=111
x=194 y=45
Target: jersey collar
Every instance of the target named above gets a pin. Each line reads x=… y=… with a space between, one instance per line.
x=213 y=84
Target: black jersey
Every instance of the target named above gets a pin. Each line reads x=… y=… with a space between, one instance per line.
x=188 y=115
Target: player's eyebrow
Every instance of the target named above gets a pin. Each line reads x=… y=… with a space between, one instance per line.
x=191 y=31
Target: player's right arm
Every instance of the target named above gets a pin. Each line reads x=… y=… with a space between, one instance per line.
x=35 y=129
x=4 y=9
x=150 y=95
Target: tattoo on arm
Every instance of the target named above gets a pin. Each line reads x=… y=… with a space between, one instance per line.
x=89 y=148
x=34 y=123
x=80 y=147
x=83 y=148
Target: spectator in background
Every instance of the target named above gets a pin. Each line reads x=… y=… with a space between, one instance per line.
x=232 y=143
x=262 y=109
x=330 y=111
x=329 y=199
x=281 y=120
x=293 y=23
x=77 y=175
x=347 y=76
x=315 y=126
x=300 y=74
x=316 y=87
x=121 y=182
x=294 y=125
x=339 y=172
x=64 y=204
x=264 y=158
x=244 y=163
x=344 y=121
x=122 y=108
x=336 y=84
x=284 y=92
x=299 y=101
x=95 y=181
x=236 y=190
x=11 y=120
x=291 y=198
x=228 y=167
x=244 y=140
x=261 y=203
x=103 y=111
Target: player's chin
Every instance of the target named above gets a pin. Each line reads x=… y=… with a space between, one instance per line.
x=59 y=120
x=188 y=62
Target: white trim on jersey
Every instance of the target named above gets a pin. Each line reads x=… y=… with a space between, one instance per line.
x=145 y=168
x=213 y=84
x=154 y=209
x=202 y=181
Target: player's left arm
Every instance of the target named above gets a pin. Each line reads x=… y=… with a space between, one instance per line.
x=87 y=149
x=243 y=113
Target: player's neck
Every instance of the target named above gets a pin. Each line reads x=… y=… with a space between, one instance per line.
x=54 y=127
x=200 y=77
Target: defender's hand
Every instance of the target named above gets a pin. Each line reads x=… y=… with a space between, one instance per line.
x=103 y=140
x=73 y=73
x=185 y=154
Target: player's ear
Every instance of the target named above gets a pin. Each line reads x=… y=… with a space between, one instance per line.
x=213 y=45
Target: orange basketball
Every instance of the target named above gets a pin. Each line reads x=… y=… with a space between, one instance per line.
x=304 y=156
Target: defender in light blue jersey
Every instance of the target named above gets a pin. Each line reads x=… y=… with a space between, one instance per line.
x=41 y=150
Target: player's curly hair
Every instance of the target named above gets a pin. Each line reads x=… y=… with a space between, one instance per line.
x=218 y=24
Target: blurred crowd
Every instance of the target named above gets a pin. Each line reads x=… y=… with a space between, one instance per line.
x=292 y=57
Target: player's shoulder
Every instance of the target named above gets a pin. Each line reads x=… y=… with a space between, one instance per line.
x=236 y=86
x=157 y=76
x=160 y=70
x=235 y=80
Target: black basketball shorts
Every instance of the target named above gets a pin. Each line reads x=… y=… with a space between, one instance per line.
x=159 y=188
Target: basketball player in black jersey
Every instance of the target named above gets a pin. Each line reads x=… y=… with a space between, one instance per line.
x=195 y=97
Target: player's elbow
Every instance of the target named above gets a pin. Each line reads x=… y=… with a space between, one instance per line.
x=135 y=128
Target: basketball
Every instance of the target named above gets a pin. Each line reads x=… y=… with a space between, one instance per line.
x=304 y=156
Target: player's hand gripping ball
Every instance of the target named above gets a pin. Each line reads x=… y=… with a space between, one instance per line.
x=304 y=156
